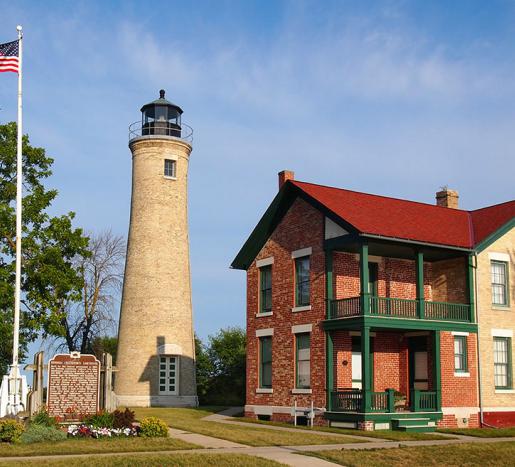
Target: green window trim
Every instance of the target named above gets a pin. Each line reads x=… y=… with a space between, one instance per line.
x=302 y=281
x=503 y=362
x=265 y=362
x=303 y=361
x=460 y=354
x=265 y=289
x=500 y=286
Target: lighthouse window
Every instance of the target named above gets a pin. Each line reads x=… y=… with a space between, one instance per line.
x=168 y=375
x=170 y=168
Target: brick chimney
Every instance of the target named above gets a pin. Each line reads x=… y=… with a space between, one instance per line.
x=284 y=176
x=447 y=198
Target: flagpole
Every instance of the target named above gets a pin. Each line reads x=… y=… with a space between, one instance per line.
x=16 y=403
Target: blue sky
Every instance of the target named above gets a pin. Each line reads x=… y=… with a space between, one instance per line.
x=394 y=98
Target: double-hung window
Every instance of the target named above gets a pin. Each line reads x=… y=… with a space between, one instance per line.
x=170 y=168
x=302 y=281
x=303 y=360
x=265 y=289
x=502 y=362
x=499 y=273
x=460 y=354
x=265 y=362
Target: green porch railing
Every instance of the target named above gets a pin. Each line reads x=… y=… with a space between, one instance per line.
x=423 y=401
x=400 y=308
x=348 y=400
x=345 y=307
x=379 y=402
x=397 y=307
x=447 y=311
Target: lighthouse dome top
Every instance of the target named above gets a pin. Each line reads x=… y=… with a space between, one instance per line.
x=161 y=102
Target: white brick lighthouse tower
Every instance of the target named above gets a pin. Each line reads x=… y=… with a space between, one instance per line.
x=156 y=348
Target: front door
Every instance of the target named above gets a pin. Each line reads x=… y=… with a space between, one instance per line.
x=418 y=373
x=357 y=382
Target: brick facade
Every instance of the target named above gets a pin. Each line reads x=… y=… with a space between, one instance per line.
x=302 y=227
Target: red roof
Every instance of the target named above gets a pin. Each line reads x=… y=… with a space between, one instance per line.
x=410 y=220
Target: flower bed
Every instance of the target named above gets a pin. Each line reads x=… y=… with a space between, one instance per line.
x=89 y=431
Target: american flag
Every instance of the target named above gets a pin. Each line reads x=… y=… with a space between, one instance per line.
x=9 y=53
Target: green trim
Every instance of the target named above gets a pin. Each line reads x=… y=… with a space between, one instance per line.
x=414 y=242
x=506 y=283
x=420 y=284
x=265 y=289
x=463 y=356
x=364 y=278
x=262 y=361
x=510 y=368
x=329 y=368
x=437 y=371
x=355 y=323
x=495 y=235
x=328 y=281
x=470 y=288
x=301 y=339
x=380 y=417
x=365 y=367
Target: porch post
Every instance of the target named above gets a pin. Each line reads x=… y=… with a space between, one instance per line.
x=470 y=287
x=364 y=279
x=329 y=346
x=365 y=368
x=436 y=370
x=420 y=284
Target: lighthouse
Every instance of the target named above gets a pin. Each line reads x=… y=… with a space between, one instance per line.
x=156 y=347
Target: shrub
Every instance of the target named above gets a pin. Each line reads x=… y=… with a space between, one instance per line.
x=100 y=420
x=42 y=418
x=10 y=430
x=123 y=419
x=38 y=433
x=153 y=427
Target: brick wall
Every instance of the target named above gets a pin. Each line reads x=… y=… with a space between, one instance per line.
x=449 y=281
x=301 y=227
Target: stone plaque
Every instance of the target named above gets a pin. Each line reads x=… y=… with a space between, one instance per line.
x=73 y=385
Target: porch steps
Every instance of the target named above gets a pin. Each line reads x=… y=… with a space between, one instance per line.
x=413 y=424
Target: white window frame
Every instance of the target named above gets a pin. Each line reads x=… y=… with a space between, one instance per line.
x=174 y=164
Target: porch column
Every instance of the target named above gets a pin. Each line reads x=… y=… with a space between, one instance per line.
x=366 y=384
x=470 y=287
x=437 y=383
x=329 y=346
x=420 y=284
x=364 y=279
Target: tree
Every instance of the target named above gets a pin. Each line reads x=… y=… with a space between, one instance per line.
x=106 y=344
x=221 y=368
x=90 y=314
x=49 y=245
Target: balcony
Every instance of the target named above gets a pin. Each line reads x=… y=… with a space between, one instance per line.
x=399 y=308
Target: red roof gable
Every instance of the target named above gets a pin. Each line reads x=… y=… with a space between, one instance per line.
x=409 y=220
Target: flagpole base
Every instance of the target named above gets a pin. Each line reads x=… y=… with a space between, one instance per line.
x=13 y=392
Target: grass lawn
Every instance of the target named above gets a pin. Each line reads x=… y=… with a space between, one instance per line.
x=93 y=446
x=175 y=460
x=190 y=420
x=481 y=432
x=469 y=454
x=382 y=434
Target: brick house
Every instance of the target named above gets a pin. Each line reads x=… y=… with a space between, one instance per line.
x=363 y=306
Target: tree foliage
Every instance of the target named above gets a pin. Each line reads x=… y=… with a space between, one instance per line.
x=221 y=367
x=49 y=246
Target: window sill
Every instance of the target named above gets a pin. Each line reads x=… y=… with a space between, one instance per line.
x=501 y=307
x=262 y=315
x=169 y=178
x=505 y=391
x=462 y=374
x=301 y=391
x=296 y=309
x=264 y=391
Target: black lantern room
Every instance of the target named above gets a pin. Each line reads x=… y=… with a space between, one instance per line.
x=161 y=117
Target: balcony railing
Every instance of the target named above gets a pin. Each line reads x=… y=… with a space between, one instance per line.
x=353 y=400
x=400 y=308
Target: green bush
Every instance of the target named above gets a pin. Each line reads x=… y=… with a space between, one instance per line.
x=39 y=433
x=42 y=418
x=153 y=427
x=123 y=419
x=10 y=430
x=100 y=420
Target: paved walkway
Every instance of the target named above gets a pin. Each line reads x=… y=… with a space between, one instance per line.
x=288 y=455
